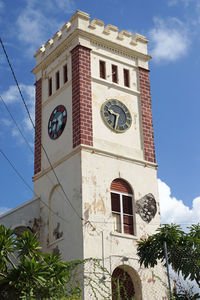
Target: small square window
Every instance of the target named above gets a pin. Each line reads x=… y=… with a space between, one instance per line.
x=57 y=80
x=50 y=86
x=102 y=69
x=65 y=75
x=126 y=78
x=114 y=74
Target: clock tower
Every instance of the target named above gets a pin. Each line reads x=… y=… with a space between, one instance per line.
x=95 y=168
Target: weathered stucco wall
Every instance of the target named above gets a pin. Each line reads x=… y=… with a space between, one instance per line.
x=61 y=228
x=96 y=199
x=27 y=214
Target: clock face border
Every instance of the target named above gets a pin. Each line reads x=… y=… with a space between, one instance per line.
x=125 y=111
x=57 y=111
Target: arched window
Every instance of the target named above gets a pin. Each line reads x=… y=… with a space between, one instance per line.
x=122 y=285
x=122 y=206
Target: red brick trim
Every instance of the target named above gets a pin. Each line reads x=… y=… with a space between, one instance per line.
x=146 y=112
x=38 y=125
x=81 y=97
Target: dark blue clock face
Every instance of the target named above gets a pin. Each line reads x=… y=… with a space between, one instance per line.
x=116 y=115
x=57 y=122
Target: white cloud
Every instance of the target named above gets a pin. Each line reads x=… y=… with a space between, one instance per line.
x=174 y=210
x=6 y=122
x=39 y=19
x=15 y=132
x=1 y=5
x=30 y=92
x=12 y=96
x=176 y=2
x=172 y=2
x=169 y=40
x=66 y=5
x=3 y=210
x=32 y=26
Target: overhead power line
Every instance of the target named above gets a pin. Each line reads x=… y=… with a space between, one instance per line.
x=38 y=138
x=16 y=171
x=26 y=183
x=25 y=139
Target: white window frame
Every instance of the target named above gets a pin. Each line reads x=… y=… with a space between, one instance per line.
x=121 y=209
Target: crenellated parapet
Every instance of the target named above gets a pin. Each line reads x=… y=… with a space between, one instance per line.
x=80 y=30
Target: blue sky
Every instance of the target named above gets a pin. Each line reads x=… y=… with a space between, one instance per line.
x=173 y=30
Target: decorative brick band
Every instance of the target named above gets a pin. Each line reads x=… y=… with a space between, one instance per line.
x=146 y=111
x=81 y=97
x=38 y=125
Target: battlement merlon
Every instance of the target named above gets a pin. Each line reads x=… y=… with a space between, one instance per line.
x=79 y=30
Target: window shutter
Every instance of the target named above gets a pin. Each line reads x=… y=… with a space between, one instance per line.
x=114 y=74
x=115 y=202
x=126 y=78
x=128 y=224
x=102 y=66
x=127 y=205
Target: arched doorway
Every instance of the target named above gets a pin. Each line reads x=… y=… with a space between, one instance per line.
x=122 y=285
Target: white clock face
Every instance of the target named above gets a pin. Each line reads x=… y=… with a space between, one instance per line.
x=57 y=122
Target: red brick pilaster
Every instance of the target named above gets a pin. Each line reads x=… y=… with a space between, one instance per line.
x=147 y=122
x=81 y=97
x=38 y=124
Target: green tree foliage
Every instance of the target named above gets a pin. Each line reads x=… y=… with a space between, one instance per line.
x=27 y=273
x=183 y=250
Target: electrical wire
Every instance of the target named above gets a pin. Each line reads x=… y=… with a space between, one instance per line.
x=26 y=183
x=27 y=110
x=162 y=224
x=25 y=139
x=17 y=172
x=113 y=222
x=38 y=138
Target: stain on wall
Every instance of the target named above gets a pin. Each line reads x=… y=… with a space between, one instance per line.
x=57 y=233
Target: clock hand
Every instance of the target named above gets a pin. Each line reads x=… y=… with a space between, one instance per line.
x=112 y=112
x=115 y=114
x=116 y=120
x=59 y=122
x=54 y=125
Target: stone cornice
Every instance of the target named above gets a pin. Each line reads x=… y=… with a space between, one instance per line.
x=144 y=163
x=54 y=165
x=114 y=45
x=67 y=43
x=79 y=30
x=53 y=55
x=96 y=151
x=81 y=20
